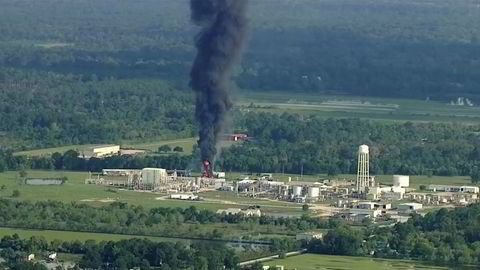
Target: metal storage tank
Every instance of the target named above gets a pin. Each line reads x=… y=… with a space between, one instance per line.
x=153 y=176
x=313 y=192
x=401 y=180
x=297 y=191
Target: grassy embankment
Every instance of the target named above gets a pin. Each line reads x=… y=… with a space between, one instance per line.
x=315 y=262
x=51 y=235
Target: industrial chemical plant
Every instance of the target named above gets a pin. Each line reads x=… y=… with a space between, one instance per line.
x=353 y=200
x=156 y=180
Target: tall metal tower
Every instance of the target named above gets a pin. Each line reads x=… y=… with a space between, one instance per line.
x=363 y=170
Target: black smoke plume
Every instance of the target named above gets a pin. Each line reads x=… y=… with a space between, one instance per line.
x=219 y=44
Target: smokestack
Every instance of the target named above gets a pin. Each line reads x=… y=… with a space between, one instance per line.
x=219 y=45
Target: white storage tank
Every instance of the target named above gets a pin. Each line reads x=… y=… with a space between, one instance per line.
x=401 y=181
x=297 y=191
x=313 y=192
x=153 y=176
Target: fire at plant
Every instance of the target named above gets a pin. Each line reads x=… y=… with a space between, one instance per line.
x=206 y=169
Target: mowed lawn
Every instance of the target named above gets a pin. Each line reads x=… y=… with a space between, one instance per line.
x=326 y=262
x=51 y=235
x=187 y=144
x=75 y=190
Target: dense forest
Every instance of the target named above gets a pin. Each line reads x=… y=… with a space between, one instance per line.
x=443 y=236
x=40 y=109
x=124 y=254
x=121 y=218
x=409 y=48
x=75 y=72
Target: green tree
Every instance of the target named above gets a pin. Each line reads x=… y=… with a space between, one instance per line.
x=164 y=148
x=16 y=193
x=256 y=266
x=145 y=265
x=343 y=241
x=178 y=149
x=3 y=165
x=200 y=263
x=332 y=171
x=305 y=207
x=23 y=173
x=475 y=175
x=91 y=260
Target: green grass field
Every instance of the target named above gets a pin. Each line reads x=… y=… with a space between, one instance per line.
x=383 y=109
x=186 y=144
x=76 y=190
x=325 y=262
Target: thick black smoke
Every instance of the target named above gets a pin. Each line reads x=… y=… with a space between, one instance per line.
x=219 y=44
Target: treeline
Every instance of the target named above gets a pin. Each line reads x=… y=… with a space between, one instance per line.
x=70 y=160
x=124 y=254
x=291 y=143
x=121 y=218
x=443 y=236
x=41 y=109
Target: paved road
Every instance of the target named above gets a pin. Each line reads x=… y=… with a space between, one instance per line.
x=269 y=258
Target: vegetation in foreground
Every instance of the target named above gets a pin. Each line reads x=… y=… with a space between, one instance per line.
x=124 y=254
x=443 y=236
x=120 y=218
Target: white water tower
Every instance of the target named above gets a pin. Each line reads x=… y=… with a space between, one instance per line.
x=363 y=170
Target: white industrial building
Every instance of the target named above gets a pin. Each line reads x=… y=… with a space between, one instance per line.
x=401 y=181
x=308 y=236
x=236 y=211
x=119 y=172
x=446 y=188
x=390 y=193
x=364 y=205
x=409 y=207
x=184 y=197
x=100 y=151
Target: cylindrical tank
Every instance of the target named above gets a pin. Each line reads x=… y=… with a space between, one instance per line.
x=153 y=176
x=313 y=192
x=297 y=191
x=401 y=180
x=363 y=149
